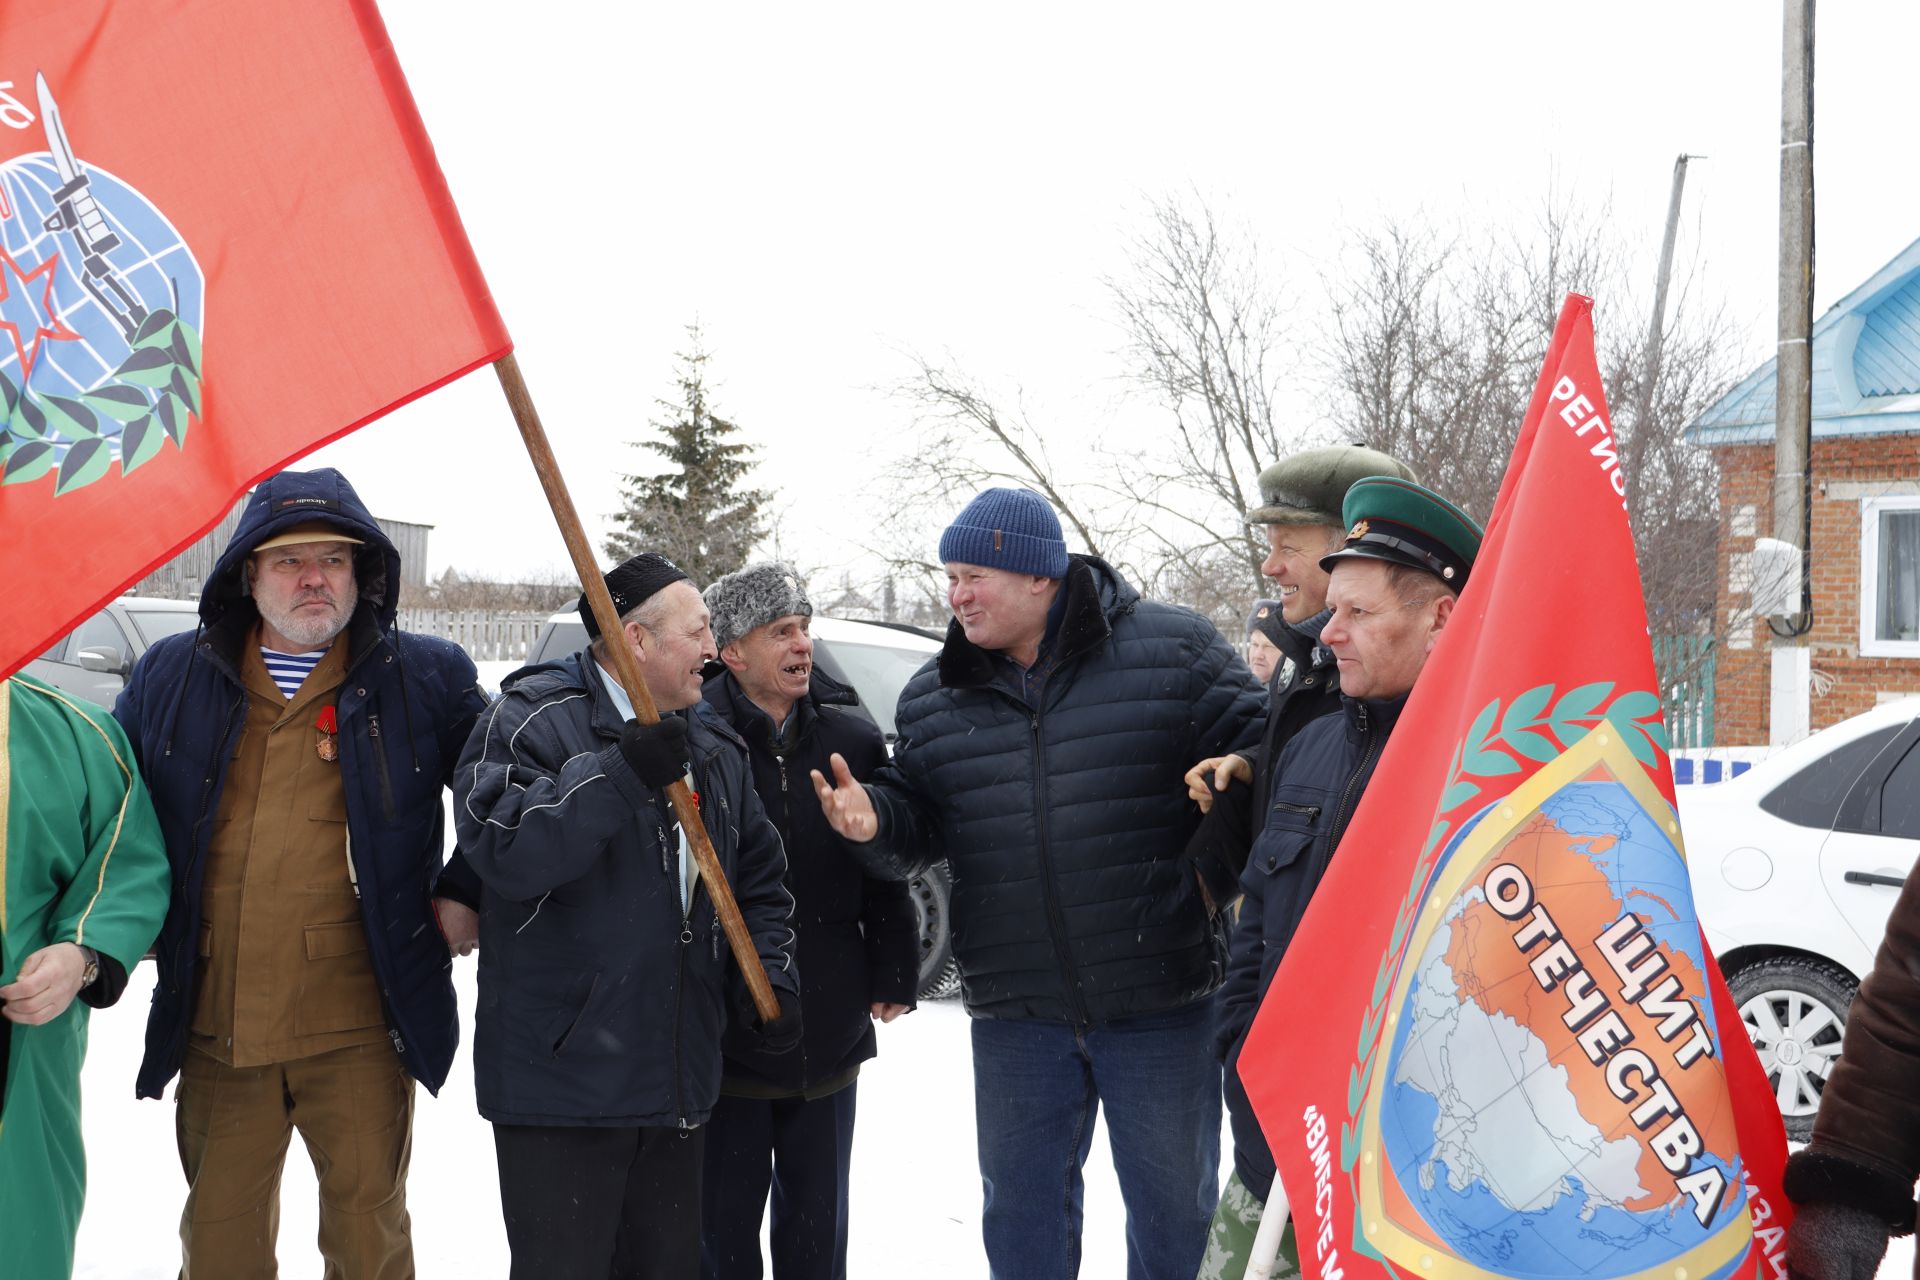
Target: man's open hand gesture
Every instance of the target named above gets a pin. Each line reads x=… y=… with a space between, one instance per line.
x=848 y=808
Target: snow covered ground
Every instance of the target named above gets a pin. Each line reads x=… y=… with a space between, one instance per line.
x=916 y=1193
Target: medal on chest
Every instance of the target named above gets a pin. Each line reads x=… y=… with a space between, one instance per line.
x=328 y=727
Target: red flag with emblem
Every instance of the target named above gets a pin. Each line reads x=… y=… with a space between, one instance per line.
x=1525 y=1063
x=224 y=241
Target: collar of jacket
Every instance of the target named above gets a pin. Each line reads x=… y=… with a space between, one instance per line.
x=582 y=671
x=1085 y=624
x=1371 y=715
x=225 y=641
x=1300 y=641
x=731 y=703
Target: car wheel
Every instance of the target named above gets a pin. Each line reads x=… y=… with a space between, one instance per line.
x=1795 y=1009
x=931 y=893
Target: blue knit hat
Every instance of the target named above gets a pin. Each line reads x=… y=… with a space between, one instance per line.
x=1011 y=529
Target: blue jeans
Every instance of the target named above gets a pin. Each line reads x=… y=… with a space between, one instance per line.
x=1036 y=1089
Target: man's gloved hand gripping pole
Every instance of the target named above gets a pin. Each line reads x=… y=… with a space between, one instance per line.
x=594 y=587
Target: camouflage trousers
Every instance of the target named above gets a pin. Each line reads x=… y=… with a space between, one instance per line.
x=1230 y=1238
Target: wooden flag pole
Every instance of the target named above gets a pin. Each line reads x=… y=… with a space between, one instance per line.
x=594 y=586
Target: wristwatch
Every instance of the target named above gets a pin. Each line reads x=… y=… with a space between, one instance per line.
x=92 y=971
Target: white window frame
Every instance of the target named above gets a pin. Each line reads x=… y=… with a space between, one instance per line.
x=1871 y=509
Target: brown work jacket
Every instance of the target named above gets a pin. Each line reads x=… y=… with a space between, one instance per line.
x=284 y=968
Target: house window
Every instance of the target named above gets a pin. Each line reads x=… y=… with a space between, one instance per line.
x=1890 y=577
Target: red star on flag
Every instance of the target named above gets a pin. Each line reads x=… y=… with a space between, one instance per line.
x=40 y=318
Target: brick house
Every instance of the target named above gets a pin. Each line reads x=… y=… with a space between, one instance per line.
x=1865 y=642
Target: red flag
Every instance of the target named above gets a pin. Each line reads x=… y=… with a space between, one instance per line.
x=1526 y=1063
x=224 y=241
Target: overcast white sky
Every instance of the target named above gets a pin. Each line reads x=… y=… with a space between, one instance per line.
x=828 y=187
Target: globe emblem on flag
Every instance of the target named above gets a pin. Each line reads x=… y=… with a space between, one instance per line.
x=101 y=309
x=1551 y=1102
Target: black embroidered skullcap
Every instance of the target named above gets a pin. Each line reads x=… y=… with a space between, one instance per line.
x=631 y=583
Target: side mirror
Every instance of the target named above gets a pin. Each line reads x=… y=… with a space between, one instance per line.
x=104 y=658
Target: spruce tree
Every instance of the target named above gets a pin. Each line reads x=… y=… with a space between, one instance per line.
x=698 y=512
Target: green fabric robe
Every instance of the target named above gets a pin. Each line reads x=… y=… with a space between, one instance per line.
x=83 y=862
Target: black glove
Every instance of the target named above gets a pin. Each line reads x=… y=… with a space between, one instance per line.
x=783 y=1033
x=1830 y=1241
x=657 y=753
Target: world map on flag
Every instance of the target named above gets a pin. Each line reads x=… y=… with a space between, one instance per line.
x=101 y=310
x=1504 y=1133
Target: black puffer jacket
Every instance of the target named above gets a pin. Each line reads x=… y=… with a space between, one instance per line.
x=601 y=1003
x=855 y=937
x=1318 y=783
x=1064 y=823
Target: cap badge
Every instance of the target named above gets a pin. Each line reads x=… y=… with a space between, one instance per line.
x=1359 y=530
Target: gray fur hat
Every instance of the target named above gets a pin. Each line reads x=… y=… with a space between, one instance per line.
x=753 y=597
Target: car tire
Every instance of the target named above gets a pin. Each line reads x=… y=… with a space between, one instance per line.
x=932 y=894
x=1795 y=1011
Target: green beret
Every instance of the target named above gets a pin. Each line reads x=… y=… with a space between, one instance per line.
x=1403 y=523
x=1309 y=487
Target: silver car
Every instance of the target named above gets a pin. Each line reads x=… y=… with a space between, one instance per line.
x=94 y=659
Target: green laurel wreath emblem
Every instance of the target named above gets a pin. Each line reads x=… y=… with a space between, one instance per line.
x=142 y=404
x=1495 y=745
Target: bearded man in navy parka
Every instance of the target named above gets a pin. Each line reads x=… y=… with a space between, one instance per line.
x=296 y=746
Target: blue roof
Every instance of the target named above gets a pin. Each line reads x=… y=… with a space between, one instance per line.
x=1866 y=368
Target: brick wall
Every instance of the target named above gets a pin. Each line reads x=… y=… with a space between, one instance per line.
x=1841 y=470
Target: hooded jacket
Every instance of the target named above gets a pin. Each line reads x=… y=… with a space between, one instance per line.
x=1064 y=820
x=404 y=712
x=1321 y=776
x=855 y=935
x=602 y=1000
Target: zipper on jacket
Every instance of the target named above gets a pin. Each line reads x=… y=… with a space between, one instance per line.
x=1056 y=921
x=1312 y=811
x=679 y=1012
x=380 y=763
x=1342 y=814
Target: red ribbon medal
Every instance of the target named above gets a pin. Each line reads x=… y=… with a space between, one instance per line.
x=328 y=747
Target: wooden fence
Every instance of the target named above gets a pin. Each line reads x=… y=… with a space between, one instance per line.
x=486 y=636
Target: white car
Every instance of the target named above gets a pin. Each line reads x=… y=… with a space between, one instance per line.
x=1795 y=867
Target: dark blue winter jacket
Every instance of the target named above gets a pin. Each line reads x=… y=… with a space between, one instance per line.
x=602 y=1001
x=1317 y=785
x=1064 y=821
x=404 y=711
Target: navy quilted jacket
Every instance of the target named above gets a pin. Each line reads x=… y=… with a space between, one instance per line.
x=1063 y=822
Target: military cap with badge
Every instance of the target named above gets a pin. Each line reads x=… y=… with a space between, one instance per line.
x=1404 y=523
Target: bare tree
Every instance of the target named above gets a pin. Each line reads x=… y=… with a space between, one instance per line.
x=1435 y=346
x=1203 y=332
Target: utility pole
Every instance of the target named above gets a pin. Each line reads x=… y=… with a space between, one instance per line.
x=1657 y=327
x=1793 y=440
x=1650 y=371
